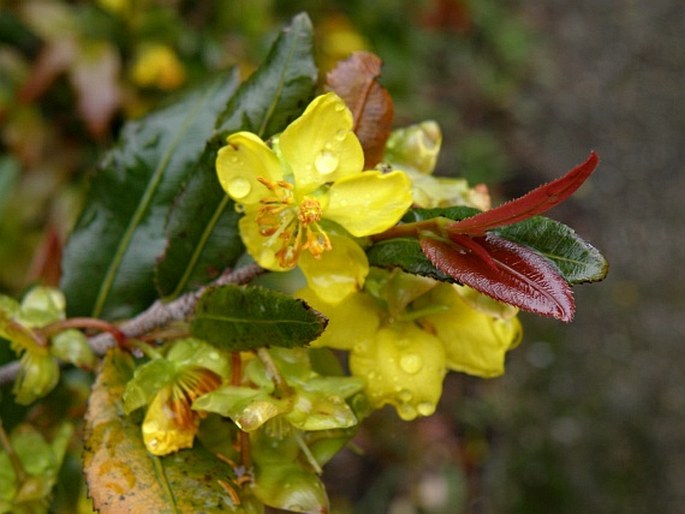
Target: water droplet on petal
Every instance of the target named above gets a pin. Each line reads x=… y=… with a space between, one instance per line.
x=239 y=187
x=326 y=162
x=341 y=134
x=405 y=395
x=406 y=412
x=411 y=363
x=339 y=107
x=425 y=408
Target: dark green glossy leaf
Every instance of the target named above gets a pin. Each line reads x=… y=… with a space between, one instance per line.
x=406 y=254
x=577 y=260
x=109 y=258
x=243 y=318
x=279 y=90
x=123 y=477
x=202 y=233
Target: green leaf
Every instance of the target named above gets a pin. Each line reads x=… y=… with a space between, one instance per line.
x=404 y=253
x=109 y=258
x=244 y=318
x=280 y=89
x=290 y=487
x=577 y=260
x=123 y=477
x=248 y=408
x=202 y=233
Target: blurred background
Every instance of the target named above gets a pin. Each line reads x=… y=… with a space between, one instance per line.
x=590 y=416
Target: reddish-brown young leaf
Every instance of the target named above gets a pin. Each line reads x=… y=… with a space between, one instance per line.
x=511 y=273
x=534 y=202
x=355 y=80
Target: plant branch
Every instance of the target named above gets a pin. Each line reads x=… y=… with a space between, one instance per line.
x=157 y=315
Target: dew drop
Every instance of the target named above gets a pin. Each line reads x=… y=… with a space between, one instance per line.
x=405 y=395
x=406 y=412
x=339 y=107
x=326 y=162
x=425 y=408
x=341 y=134
x=214 y=356
x=239 y=187
x=411 y=363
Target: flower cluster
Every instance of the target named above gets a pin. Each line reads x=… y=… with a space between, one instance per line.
x=307 y=203
x=405 y=332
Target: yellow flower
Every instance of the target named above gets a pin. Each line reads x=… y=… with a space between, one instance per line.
x=475 y=341
x=405 y=332
x=156 y=65
x=303 y=198
x=403 y=366
x=170 y=423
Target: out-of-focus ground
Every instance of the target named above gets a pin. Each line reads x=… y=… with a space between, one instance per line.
x=593 y=414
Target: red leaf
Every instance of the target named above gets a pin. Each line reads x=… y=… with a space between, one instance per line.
x=534 y=202
x=355 y=80
x=511 y=273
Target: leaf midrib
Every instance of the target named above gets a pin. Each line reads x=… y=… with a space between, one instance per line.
x=197 y=252
x=230 y=319
x=146 y=200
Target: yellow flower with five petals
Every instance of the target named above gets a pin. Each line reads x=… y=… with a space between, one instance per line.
x=306 y=195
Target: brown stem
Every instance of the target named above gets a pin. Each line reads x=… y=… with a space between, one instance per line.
x=85 y=323
x=413 y=230
x=236 y=368
x=157 y=315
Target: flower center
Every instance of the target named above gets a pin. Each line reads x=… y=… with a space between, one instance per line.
x=296 y=226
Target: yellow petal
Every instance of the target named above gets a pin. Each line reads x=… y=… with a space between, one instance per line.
x=262 y=249
x=168 y=428
x=238 y=164
x=320 y=146
x=475 y=342
x=403 y=366
x=338 y=272
x=369 y=203
x=349 y=322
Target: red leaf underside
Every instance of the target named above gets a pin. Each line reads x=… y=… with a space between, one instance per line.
x=532 y=203
x=512 y=273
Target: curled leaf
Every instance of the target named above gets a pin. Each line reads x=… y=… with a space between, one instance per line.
x=534 y=202
x=355 y=80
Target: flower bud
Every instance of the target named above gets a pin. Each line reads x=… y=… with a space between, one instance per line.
x=38 y=375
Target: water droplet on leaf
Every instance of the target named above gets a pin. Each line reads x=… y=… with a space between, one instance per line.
x=326 y=162
x=239 y=187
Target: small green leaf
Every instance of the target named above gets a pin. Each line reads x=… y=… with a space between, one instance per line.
x=248 y=408
x=244 y=318
x=290 y=487
x=147 y=380
x=458 y=212
x=202 y=232
x=123 y=477
x=577 y=260
x=72 y=346
x=110 y=256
